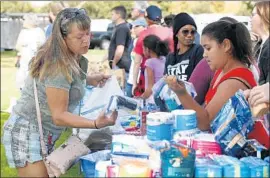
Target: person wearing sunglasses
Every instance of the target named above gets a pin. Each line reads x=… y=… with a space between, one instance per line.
x=60 y=74
x=186 y=55
x=227 y=50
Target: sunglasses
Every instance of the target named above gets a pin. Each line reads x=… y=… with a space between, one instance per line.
x=186 y=32
x=70 y=15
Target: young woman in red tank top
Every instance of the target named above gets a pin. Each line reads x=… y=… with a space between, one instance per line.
x=227 y=48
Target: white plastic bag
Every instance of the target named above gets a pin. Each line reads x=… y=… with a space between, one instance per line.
x=92 y=104
x=99 y=98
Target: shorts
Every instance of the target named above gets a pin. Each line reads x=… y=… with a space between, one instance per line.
x=21 y=140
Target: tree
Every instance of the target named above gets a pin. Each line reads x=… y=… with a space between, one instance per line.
x=245 y=8
x=102 y=9
x=249 y=5
x=201 y=7
x=16 y=6
x=180 y=6
x=217 y=6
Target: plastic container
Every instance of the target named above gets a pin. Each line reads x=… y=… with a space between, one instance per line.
x=258 y=167
x=231 y=167
x=159 y=126
x=237 y=170
x=205 y=167
x=185 y=120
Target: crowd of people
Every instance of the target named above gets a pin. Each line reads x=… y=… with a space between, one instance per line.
x=218 y=65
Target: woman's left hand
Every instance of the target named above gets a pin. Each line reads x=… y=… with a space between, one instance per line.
x=99 y=79
x=177 y=86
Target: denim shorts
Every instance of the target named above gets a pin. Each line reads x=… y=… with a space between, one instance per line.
x=21 y=140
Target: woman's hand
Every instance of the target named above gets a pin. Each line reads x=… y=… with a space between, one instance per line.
x=177 y=86
x=258 y=95
x=146 y=94
x=98 y=79
x=104 y=121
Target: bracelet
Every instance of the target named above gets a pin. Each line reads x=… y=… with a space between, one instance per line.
x=95 y=124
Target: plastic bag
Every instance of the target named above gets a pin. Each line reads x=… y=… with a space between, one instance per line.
x=92 y=104
x=232 y=124
x=99 y=98
x=166 y=99
x=129 y=144
x=88 y=162
x=177 y=161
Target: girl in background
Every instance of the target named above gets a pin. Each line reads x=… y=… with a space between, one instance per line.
x=155 y=51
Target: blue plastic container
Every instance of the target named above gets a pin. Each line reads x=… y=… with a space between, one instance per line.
x=205 y=167
x=159 y=126
x=239 y=170
x=231 y=166
x=258 y=167
x=185 y=120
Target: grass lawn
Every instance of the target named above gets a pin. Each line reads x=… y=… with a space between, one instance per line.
x=8 y=90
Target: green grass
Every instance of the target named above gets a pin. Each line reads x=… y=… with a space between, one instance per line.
x=8 y=90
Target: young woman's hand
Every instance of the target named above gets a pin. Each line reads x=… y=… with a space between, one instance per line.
x=104 y=121
x=146 y=94
x=177 y=86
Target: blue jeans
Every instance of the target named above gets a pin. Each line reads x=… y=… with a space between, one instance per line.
x=128 y=90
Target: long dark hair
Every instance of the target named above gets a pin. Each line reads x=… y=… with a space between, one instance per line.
x=237 y=33
x=156 y=45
